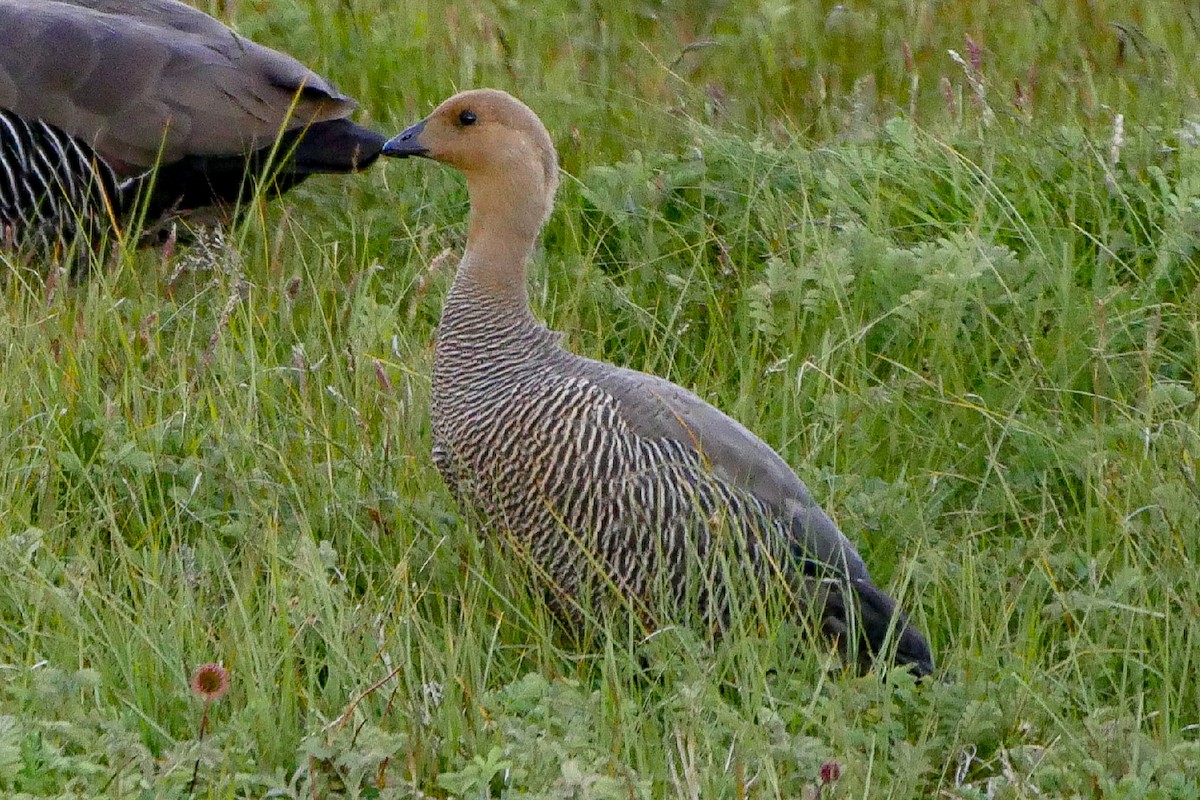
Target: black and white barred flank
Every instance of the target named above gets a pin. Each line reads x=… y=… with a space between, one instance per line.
x=53 y=187
x=527 y=436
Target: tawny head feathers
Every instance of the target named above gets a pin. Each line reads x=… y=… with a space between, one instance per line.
x=488 y=135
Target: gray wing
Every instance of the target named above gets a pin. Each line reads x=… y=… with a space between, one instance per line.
x=656 y=408
x=136 y=78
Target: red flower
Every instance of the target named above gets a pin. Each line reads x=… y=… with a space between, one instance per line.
x=830 y=772
x=210 y=682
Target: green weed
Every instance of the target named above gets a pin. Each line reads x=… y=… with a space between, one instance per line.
x=948 y=293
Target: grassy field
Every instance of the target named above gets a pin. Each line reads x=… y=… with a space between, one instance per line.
x=959 y=292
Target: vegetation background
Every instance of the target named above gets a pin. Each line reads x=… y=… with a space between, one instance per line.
x=941 y=255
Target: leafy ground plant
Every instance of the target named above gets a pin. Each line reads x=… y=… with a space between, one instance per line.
x=958 y=291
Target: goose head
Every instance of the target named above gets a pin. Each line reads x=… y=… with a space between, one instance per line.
x=501 y=147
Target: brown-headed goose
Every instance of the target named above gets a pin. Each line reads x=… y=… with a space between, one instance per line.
x=606 y=478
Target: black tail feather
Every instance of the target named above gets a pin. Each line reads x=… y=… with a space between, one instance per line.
x=864 y=628
x=338 y=145
x=335 y=146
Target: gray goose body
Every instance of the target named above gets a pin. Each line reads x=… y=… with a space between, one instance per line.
x=526 y=434
x=98 y=93
x=604 y=476
x=522 y=437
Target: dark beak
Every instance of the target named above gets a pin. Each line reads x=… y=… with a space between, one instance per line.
x=406 y=144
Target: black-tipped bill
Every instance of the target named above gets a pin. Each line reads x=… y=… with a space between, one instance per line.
x=406 y=144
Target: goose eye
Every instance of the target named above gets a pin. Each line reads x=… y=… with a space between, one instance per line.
x=467 y=118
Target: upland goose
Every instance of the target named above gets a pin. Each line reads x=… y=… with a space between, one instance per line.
x=607 y=479
x=95 y=93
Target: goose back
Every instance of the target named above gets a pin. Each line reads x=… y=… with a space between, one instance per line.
x=145 y=83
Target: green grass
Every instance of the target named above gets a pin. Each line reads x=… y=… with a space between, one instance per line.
x=973 y=333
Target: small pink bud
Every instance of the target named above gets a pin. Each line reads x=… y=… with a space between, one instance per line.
x=211 y=681
x=974 y=56
x=948 y=95
x=381 y=377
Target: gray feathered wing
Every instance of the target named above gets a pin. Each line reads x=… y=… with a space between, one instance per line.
x=144 y=81
x=656 y=408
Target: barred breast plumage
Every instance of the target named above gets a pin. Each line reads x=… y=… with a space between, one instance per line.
x=609 y=479
x=52 y=186
x=97 y=94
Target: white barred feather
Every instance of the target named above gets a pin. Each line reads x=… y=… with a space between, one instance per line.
x=52 y=186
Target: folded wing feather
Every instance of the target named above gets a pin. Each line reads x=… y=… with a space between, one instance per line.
x=152 y=78
x=656 y=408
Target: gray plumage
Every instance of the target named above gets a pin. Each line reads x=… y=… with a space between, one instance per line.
x=136 y=84
x=605 y=476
